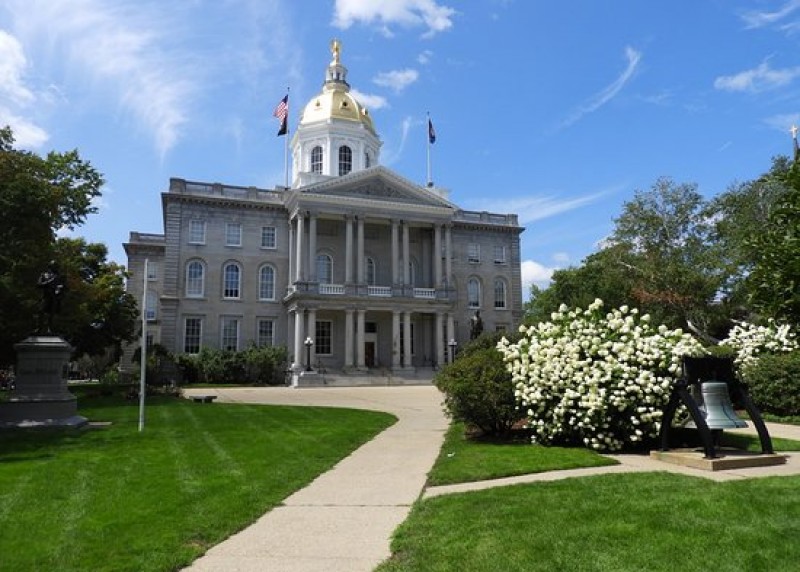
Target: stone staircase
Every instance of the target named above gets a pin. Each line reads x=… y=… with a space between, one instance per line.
x=377 y=377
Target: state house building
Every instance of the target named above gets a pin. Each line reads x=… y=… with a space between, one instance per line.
x=380 y=273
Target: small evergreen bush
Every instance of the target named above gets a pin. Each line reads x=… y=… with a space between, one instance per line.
x=774 y=383
x=478 y=389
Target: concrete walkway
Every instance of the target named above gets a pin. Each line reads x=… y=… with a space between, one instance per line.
x=343 y=521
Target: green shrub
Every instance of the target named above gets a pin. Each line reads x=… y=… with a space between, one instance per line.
x=265 y=364
x=774 y=383
x=478 y=389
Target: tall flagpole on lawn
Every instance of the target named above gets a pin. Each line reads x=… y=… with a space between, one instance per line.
x=143 y=353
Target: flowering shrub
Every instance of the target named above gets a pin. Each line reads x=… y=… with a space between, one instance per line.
x=749 y=341
x=593 y=378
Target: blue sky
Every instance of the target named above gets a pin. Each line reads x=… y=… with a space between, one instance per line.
x=558 y=111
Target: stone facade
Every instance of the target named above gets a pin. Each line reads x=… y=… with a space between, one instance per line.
x=377 y=271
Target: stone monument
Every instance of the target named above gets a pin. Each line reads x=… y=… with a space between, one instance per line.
x=40 y=397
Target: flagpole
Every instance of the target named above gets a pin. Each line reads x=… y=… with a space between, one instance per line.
x=143 y=353
x=428 y=138
x=286 y=147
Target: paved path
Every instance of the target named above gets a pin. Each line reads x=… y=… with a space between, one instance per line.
x=343 y=521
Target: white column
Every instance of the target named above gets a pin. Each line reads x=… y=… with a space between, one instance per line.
x=348 y=338
x=448 y=253
x=311 y=332
x=395 y=339
x=348 y=249
x=360 y=278
x=451 y=333
x=406 y=269
x=395 y=253
x=407 y=338
x=438 y=344
x=312 y=248
x=360 y=338
x=437 y=256
x=299 y=262
x=298 y=339
x=291 y=258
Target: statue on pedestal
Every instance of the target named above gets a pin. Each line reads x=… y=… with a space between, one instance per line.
x=53 y=286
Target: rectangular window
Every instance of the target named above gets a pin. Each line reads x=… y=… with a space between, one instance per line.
x=268 y=237
x=197 y=232
x=230 y=334
x=152 y=271
x=191 y=335
x=149 y=340
x=265 y=335
x=233 y=234
x=473 y=252
x=322 y=343
x=150 y=312
x=501 y=328
x=499 y=254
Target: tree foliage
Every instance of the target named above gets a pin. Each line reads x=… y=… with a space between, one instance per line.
x=40 y=196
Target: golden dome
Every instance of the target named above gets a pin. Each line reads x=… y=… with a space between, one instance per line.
x=335 y=102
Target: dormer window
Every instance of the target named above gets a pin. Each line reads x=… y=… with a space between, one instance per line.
x=345 y=160
x=316 y=159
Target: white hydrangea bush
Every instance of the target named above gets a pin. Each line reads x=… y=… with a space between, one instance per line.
x=595 y=378
x=749 y=341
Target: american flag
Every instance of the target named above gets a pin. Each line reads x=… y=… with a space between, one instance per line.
x=282 y=112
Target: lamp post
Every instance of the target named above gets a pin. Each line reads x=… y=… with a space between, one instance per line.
x=452 y=344
x=308 y=343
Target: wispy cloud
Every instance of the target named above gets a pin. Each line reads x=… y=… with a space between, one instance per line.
x=757 y=79
x=756 y=19
x=396 y=80
x=405 y=13
x=16 y=96
x=783 y=122
x=609 y=92
x=424 y=57
x=531 y=209
x=122 y=47
x=370 y=101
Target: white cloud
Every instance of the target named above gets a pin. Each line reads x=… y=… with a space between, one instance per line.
x=12 y=66
x=530 y=209
x=424 y=57
x=609 y=92
x=27 y=135
x=535 y=273
x=385 y=13
x=760 y=78
x=755 y=19
x=396 y=80
x=127 y=48
x=370 y=101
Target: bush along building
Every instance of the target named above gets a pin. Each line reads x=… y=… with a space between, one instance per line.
x=355 y=269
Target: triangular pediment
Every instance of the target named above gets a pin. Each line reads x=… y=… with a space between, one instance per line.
x=377 y=184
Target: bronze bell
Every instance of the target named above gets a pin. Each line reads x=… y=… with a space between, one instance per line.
x=717 y=407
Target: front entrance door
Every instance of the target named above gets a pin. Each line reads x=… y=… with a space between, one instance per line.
x=369 y=354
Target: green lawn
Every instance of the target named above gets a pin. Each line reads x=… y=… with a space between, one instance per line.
x=464 y=460
x=117 y=499
x=631 y=522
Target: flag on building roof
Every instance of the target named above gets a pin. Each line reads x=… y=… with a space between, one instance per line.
x=282 y=113
x=431 y=132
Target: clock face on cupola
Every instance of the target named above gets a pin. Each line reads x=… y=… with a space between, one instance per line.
x=335 y=135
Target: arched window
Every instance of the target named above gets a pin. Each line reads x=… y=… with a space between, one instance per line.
x=266 y=283
x=316 y=159
x=367 y=160
x=500 y=294
x=231 y=280
x=324 y=269
x=412 y=273
x=345 y=160
x=195 y=279
x=473 y=293
x=369 y=266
